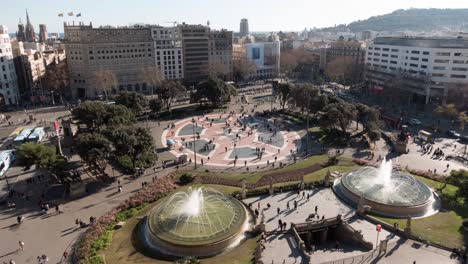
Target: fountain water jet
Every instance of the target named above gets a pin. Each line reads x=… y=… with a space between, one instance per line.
x=197 y=222
x=388 y=192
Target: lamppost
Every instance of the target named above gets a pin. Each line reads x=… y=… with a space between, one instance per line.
x=194 y=141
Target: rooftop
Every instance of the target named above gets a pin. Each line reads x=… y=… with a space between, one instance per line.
x=424 y=42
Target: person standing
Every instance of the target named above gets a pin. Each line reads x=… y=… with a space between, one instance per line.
x=21 y=245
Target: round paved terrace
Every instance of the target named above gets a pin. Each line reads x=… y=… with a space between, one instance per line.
x=222 y=137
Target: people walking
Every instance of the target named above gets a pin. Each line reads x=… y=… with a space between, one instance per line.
x=21 y=245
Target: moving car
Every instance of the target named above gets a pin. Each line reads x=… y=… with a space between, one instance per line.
x=414 y=121
x=453 y=133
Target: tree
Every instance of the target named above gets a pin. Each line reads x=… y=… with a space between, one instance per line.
x=450 y=111
x=339 y=114
x=118 y=115
x=288 y=63
x=93 y=146
x=243 y=69
x=153 y=76
x=155 y=105
x=214 y=90
x=362 y=111
x=341 y=70
x=104 y=81
x=32 y=153
x=136 y=102
x=57 y=78
x=167 y=91
x=91 y=113
x=462 y=119
x=283 y=93
x=96 y=115
x=133 y=143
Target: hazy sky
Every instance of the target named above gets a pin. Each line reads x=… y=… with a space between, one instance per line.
x=263 y=15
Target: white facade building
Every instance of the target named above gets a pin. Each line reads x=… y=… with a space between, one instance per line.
x=8 y=81
x=266 y=58
x=168 y=51
x=428 y=67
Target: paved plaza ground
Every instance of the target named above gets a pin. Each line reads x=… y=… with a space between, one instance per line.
x=52 y=234
x=282 y=247
x=223 y=137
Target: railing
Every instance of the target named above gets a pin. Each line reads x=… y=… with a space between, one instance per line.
x=356 y=259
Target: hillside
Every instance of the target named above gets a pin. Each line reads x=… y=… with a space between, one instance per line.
x=422 y=20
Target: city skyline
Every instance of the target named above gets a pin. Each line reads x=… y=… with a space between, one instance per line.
x=262 y=15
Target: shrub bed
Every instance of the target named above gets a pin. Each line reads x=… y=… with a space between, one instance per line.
x=99 y=235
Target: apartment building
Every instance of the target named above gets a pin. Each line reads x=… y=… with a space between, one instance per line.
x=169 y=57
x=9 y=94
x=220 y=57
x=429 y=68
x=119 y=53
x=196 y=40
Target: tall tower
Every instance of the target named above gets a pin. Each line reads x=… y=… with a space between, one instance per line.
x=42 y=33
x=20 y=36
x=30 y=34
x=244 y=27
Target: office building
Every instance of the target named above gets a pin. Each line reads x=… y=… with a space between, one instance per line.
x=183 y=52
x=244 y=27
x=220 y=58
x=42 y=33
x=345 y=52
x=29 y=33
x=8 y=81
x=167 y=44
x=429 y=68
x=107 y=60
x=196 y=52
x=262 y=59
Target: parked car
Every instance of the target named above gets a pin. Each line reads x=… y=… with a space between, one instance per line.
x=414 y=121
x=453 y=134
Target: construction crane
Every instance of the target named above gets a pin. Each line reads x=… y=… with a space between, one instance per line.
x=174 y=23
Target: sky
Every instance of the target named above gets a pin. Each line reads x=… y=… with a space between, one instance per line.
x=263 y=15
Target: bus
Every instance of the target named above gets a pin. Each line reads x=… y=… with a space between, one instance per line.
x=37 y=135
x=7 y=158
x=22 y=136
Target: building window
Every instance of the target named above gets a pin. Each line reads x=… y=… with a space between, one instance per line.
x=459 y=69
x=413 y=65
x=394 y=50
x=458 y=62
x=445 y=54
x=438 y=75
x=394 y=56
x=423 y=66
x=441 y=61
x=414 y=59
x=439 y=68
x=415 y=52
x=457 y=76
x=423 y=59
x=425 y=52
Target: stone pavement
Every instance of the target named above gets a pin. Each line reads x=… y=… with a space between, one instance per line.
x=281 y=247
x=226 y=145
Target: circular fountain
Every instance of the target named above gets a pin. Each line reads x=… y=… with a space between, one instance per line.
x=387 y=192
x=200 y=222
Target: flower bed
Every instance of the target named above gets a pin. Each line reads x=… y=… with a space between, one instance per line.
x=99 y=234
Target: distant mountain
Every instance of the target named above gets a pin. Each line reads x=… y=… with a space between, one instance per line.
x=421 y=20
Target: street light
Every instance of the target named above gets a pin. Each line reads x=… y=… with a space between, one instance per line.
x=194 y=149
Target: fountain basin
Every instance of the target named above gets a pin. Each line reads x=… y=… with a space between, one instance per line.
x=199 y=223
x=398 y=195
